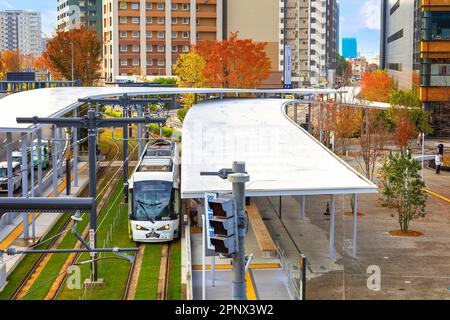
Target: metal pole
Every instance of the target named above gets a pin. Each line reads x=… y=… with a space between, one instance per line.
x=303 y=206
x=75 y=150
x=355 y=219
x=203 y=257
x=9 y=148
x=92 y=137
x=140 y=147
x=239 y=178
x=25 y=184
x=303 y=275
x=39 y=146
x=68 y=177
x=423 y=153
x=213 y=271
x=125 y=162
x=55 y=164
x=332 y=255
x=279 y=208
x=32 y=150
x=61 y=147
x=321 y=122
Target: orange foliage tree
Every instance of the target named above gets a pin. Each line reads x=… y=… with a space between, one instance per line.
x=11 y=61
x=376 y=86
x=87 y=55
x=405 y=129
x=234 y=63
x=42 y=64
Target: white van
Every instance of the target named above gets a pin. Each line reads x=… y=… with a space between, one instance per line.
x=17 y=176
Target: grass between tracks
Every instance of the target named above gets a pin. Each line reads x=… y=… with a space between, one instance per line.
x=147 y=286
x=175 y=272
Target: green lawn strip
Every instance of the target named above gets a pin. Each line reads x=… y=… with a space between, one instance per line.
x=147 y=287
x=15 y=279
x=113 y=270
x=175 y=271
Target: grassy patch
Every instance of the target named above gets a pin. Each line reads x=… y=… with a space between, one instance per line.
x=147 y=286
x=15 y=279
x=175 y=271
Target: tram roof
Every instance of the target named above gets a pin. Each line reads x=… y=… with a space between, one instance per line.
x=55 y=102
x=281 y=158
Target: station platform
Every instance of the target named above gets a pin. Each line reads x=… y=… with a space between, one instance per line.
x=266 y=277
x=12 y=235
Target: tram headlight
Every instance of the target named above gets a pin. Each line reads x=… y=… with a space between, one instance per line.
x=141 y=228
x=164 y=228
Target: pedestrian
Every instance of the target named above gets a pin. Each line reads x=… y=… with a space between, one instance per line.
x=193 y=212
x=438 y=162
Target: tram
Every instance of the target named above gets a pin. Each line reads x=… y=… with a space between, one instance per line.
x=154 y=194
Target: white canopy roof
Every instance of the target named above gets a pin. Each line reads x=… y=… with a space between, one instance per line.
x=349 y=95
x=54 y=102
x=281 y=158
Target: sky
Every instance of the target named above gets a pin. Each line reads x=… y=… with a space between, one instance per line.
x=358 y=18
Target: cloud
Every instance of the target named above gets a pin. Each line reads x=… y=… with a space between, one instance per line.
x=370 y=14
x=6 y=4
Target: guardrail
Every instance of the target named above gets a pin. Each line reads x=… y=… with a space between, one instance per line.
x=293 y=285
x=186 y=261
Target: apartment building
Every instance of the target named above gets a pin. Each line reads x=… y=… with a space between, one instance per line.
x=72 y=14
x=415 y=49
x=21 y=30
x=149 y=35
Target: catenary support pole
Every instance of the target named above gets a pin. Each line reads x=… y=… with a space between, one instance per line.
x=55 y=163
x=238 y=178
x=125 y=162
x=140 y=141
x=333 y=200
x=32 y=152
x=203 y=257
x=92 y=139
x=61 y=151
x=303 y=206
x=39 y=166
x=10 y=173
x=75 y=150
x=355 y=220
x=213 y=271
x=26 y=227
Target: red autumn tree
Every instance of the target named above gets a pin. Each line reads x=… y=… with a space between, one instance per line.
x=376 y=86
x=42 y=64
x=87 y=55
x=11 y=61
x=234 y=63
x=405 y=130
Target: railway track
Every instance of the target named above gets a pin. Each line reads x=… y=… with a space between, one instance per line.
x=163 y=277
x=40 y=264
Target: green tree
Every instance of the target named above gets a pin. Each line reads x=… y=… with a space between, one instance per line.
x=403 y=187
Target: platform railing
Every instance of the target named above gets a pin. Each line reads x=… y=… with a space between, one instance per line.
x=292 y=282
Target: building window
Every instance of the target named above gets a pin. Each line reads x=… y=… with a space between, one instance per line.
x=135 y=62
x=135 y=34
x=174 y=49
x=161 y=20
x=174 y=34
x=149 y=20
x=148 y=6
x=149 y=48
x=123 y=34
x=436 y=25
x=123 y=48
x=395 y=66
x=185 y=20
x=185 y=6
x=123 y=20
x=135 y=20
x=149 y=62
x=395 y=7
x=174 y=20
x=135 y=6
x=135 y=48
x=185 y=48
x=160 y=48
x=149 y=34
x=160 y=6
x=185 y=34
x=174 y=7
x=123 y=62
x=123 y=5
x=161 y=34
x=395 y=36
x=161 y=63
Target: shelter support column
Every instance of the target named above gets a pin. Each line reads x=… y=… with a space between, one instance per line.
x=39 y=165
x=9 y=148
x=32 y=151
x=75 y=150
x=333 y=200
x=303 y=207
x=25 y=184
x=61 y=147
x=55 y=163
x=355 y=219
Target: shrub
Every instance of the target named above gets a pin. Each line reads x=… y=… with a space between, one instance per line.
x=181 y=114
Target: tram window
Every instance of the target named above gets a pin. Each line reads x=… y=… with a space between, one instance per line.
x=152 y=200
x=159 y=153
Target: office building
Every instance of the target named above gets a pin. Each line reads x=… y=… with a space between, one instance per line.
x=21 y=31
x=349 y=48
x=415 y=49
x=73 y=14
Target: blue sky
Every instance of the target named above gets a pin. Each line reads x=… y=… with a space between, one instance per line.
x=359 y=18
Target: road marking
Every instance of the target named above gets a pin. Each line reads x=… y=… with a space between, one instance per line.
x=436 y=195
x=251 y=294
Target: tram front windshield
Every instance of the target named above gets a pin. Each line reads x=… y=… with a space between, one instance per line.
x=151 y=200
